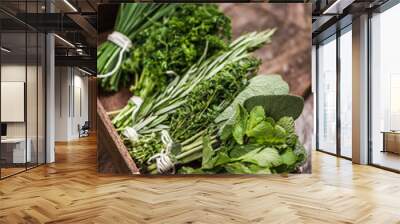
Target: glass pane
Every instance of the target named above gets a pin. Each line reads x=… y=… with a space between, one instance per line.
x=346 y=94
x=385 y=86
x=41 y=98
x=327 y=96
x=14 y=151
x=32 y=98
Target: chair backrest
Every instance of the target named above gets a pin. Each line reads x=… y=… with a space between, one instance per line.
x=86 y=125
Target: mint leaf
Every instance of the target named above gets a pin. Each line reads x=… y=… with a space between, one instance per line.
x=237 y=168
x=262 y=132
x=279 y=134
x=239 y=128
x=207 y=161
x=221 y=158
x=259 y=170
x=257 y=115
x=288 y=157
x=226 y=131
x=288 y=124
x=190 y=170
x=268 y=157
x=240 y=150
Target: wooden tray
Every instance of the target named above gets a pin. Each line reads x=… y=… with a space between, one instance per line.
x=112 y=155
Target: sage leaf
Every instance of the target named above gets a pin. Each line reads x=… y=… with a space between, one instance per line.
x=277 y=106
x=259 y=85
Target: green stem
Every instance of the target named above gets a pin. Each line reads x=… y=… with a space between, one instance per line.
x=194 y=137
x=195 y=144
x=181 y=157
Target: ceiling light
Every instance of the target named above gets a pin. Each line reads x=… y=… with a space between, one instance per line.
x=337 y=7
x=84 y=71
x=5 y=50
x=70 y=5
x=65 y=41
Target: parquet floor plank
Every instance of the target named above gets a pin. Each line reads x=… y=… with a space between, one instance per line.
x=71 y=191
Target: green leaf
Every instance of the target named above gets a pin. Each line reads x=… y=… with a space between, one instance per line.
x=279 y=134
x=257 y=115
x=190 y=170
x=262 y=131
x=240 y=150
x=301 y=154
x=277 y=106
x=259 y=85
x=288 y=157
x=237 y=168
x=239 y=128
x=207 y=161
x=221 y=159
x=288 y=124
x=259 y=170
x=268 y=157
x=226 y=131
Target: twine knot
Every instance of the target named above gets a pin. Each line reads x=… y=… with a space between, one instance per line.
x=163 y=160
x=124 y=43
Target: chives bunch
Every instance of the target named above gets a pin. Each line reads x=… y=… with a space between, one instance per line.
x=131 y=19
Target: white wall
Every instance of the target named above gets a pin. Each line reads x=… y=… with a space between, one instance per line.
x=71 y=94
x=14 y=73
x=61 y=105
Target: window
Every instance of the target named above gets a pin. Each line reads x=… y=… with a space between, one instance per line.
x=333 y=106
x=326 y=63
x=346 y=92
x=385 y=89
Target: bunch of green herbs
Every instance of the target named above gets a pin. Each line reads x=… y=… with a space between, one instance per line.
x=131 y=19
x=170 y=46
x=191 y=104
x=252 y=144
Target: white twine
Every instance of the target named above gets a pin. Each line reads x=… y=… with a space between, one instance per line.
x=138 y=101
x=163 y=160
x=131 y=132
x=123 y=42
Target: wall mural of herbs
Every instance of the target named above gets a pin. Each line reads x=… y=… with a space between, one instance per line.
x=199 y=104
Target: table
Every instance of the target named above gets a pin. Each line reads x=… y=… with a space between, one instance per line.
x=391 y=141
x=16 y=154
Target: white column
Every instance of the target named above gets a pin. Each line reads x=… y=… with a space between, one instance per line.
x=360 y=90
x=314 y=90
x=50 y=88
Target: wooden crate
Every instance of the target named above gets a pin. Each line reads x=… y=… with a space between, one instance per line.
x=112 y=155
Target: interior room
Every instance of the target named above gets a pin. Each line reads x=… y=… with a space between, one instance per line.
x=72 y=106
x=47 y=84
x=334 y=79
x=50 y=125
x=385 y=89
x=22 y=99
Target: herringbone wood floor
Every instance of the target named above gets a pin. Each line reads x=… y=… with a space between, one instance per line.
x=70 y=191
